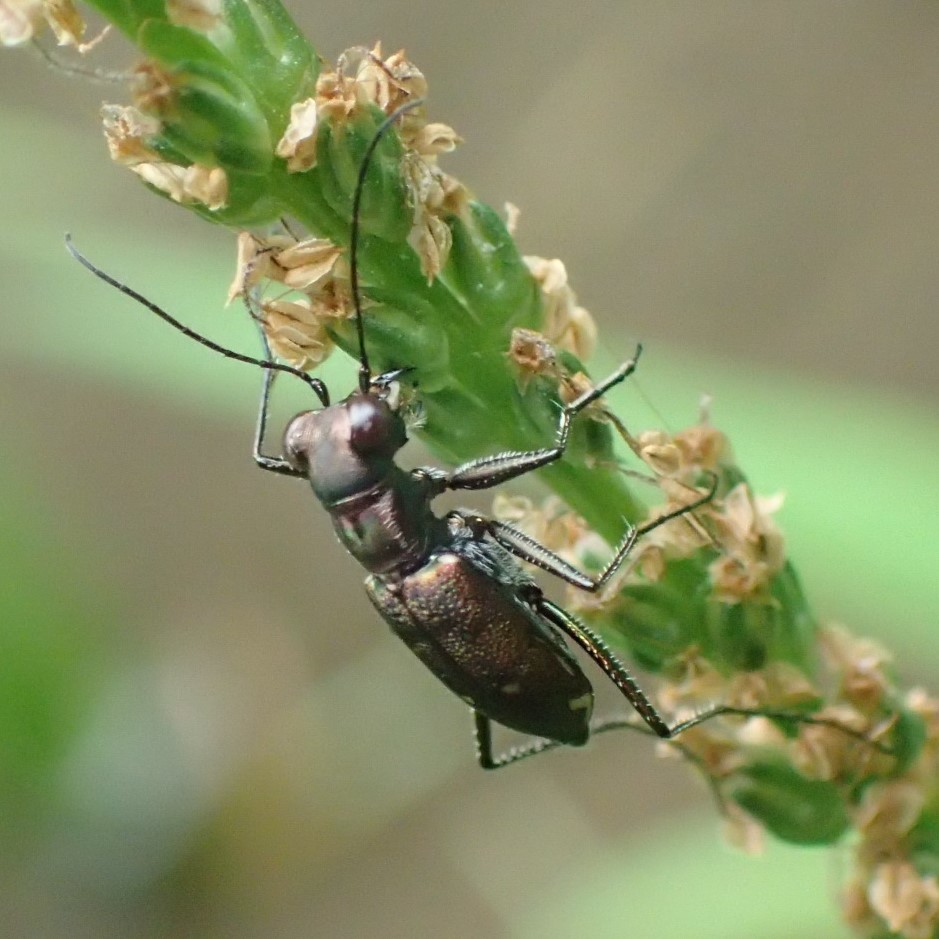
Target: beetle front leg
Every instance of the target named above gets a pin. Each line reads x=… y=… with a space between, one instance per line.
x=274 y=464
x=493 y=470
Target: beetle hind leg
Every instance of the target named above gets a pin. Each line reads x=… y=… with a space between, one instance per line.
x=488 y=760
x=534 y=745
x=601 y=653
x=598 y=650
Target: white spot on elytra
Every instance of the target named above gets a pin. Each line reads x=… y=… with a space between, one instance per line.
x=582 y=703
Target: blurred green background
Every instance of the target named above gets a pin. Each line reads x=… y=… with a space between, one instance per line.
x=204 y=730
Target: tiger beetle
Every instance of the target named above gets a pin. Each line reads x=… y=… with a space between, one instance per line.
x=451 y=587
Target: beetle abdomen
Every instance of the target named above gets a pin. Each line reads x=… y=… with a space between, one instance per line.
x=489 y=647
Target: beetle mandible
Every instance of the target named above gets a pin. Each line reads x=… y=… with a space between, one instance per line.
x=450 y=586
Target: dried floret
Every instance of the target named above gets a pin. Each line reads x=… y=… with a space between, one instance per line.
x=433 y=196
x=856 y=908
x=389 y=83
x=566 y=324
x=295 y=332
x=549 y=523
x=694 y=680
x=926 y=707
x=298 y=144
x=826 y=751
x=743 y=831
x=715 y=746
x=751 y=543
x=703 y=446
x=254 y=261
x=430 y=236
x=887 y=811
x=780 y=686
x=65 y=21
x=431 y=239
x=512 y=215
x=206 y=184
x=296 y=324
x=196 y=183
x=907 y=901
x=681 y=538
x=433 y=139
x=860 y=663
x=363 y=77
x=20 y=20
x=332 y=300
x=152 y=87
x=660 y=453
x=306 y=264
x=532 y=354
x=126 y=130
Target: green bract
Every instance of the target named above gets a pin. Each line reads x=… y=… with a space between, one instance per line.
x=796 y=809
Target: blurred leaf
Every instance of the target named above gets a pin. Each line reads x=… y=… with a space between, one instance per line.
x=52 y=655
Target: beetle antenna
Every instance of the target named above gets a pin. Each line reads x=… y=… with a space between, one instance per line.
x=319 y=388
x=104 y=76
x=365 y=373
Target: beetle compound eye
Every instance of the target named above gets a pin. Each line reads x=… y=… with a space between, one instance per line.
x=373 y=427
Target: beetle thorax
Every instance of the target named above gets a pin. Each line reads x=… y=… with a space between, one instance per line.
x=380 y=512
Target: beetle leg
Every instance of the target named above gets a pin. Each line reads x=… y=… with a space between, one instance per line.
x=601 y=653
x=484 y=752
x=603 y=656
x=532 y=551
x=528 y=549
x=598 y=650
x=535 y=745
x=274 y=464
x=493 y=470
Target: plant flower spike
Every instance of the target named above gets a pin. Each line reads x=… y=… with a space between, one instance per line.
x=233 y=115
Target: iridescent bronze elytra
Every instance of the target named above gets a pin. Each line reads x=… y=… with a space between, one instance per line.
x=450 y=587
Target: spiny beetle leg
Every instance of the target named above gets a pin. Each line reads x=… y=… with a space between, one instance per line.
x=534 y=552
x=600 y=652
x=484 y=746
x=528 y=549
x=494 y=470
x=274 y=464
